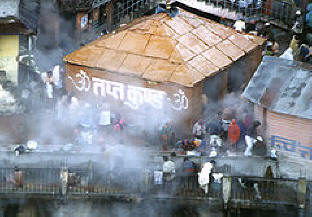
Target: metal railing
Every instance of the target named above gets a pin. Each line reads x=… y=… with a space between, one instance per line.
x=81 y=182
x=127 y=10
x=278 y=11
x=184 y=186
x=137 y=182
x=281 y=191
x=29 y=180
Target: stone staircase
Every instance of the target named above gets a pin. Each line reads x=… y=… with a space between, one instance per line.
x=216 y=9
x=210 y=8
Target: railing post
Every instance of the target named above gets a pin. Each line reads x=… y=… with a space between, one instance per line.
x=63 y=180
x=90 y=176
x=147 y=180
x=301 y=192
x=226 y=190
x=90 y=170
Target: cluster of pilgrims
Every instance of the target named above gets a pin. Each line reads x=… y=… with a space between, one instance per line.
x=300 y=47
x=219 y=136
x=189 y=173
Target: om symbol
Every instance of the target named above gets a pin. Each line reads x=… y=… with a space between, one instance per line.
x=180 y=101
x=83 y=83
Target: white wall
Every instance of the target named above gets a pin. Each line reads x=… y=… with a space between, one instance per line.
x=9 y=50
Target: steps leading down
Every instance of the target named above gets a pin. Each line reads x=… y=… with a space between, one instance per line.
x=211 y=9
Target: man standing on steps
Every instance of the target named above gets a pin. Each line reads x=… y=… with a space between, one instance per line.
x=169 y=170
x=215 y=130
x=239 y=25
x=233 y=134
x=251 y=137
x=199 y=129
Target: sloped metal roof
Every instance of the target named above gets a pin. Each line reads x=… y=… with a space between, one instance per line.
x=9 y=8
x=282 y=86
x=97 y=3
x=202 y=6
x=183 y=50
x=26 y=11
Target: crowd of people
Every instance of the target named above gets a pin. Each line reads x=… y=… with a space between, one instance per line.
x=300 y=46
x=217 y=136
x=94 y=122
x=86 y=121
x=265 y=30
x=204 y=177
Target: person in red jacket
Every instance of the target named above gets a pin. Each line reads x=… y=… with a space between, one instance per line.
x=233 y=133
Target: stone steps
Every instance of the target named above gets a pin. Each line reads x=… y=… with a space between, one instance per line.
x=210 y=8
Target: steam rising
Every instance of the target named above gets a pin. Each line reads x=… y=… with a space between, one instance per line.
x=120 y=155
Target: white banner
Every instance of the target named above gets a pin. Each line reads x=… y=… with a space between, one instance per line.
x=132 y=96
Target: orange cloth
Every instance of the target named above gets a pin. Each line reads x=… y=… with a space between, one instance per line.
x=233 y=132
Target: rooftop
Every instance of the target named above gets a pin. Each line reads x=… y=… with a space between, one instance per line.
x=9 y=8
x=23 y=12
x=282 y=86
x=183 y=50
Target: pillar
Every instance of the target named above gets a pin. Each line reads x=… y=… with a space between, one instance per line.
x=226 y=190
x=224 y=83
x=90 y=170
x=109 y=15
x=63 y=180
x=301 y=192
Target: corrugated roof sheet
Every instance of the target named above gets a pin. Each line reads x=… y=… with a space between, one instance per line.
x=26 y=11
x=183 y=50
x=282 y=86
x=9 y=8
x=210 y=9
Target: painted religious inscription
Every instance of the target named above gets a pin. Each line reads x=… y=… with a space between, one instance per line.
x=131 y=96
x=292 y=146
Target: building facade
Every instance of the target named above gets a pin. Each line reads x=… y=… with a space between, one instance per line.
x=281 y=93
x=162 y=65
x=18 y=27
x=104 y=15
